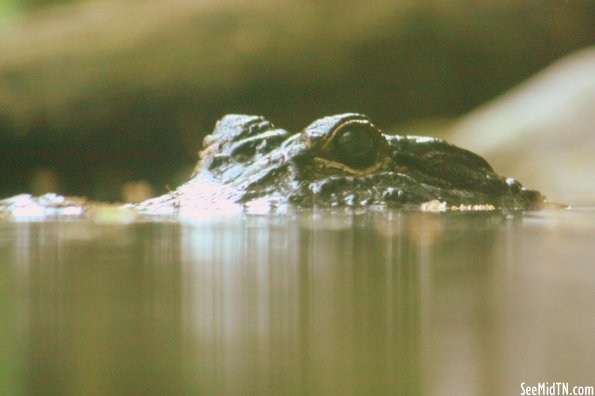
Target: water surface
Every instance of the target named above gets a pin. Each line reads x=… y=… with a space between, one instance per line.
x=316 y=302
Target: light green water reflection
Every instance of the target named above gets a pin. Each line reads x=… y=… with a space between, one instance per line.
x=311 y=303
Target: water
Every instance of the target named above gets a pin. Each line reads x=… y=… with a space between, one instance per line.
x=325 y=303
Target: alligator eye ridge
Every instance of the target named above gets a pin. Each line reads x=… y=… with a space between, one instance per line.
x=357 y=145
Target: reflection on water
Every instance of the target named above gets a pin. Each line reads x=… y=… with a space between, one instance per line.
x=309 y=303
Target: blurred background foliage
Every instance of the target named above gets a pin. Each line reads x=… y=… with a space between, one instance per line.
x=96 y=94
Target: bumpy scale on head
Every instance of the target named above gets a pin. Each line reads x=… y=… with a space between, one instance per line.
x=342 y=160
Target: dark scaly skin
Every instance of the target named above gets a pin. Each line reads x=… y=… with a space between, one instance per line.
x=340 y=160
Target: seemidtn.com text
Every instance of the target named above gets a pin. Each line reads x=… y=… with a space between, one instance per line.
x=556 y=389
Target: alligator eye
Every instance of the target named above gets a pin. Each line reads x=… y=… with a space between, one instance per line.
x=356 y=145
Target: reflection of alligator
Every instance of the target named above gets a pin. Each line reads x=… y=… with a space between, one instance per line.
x=341 y=160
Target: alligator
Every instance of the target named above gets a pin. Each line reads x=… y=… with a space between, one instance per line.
x=337 y=161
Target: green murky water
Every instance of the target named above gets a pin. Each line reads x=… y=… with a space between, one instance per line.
x=311 y=303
